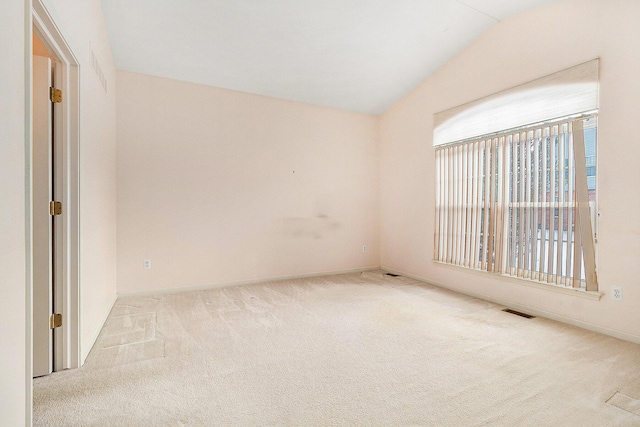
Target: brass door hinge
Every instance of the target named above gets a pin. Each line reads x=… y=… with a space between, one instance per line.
x=55 y=208
x=55 y=321
x=55 y=95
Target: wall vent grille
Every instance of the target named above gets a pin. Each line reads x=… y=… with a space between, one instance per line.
x=97 y=69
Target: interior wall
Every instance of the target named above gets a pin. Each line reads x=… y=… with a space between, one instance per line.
x=219 y=187
x=515 y=51
x=15 y=390
x=82 y=24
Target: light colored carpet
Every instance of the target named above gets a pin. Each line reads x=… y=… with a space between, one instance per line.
x=355 y=349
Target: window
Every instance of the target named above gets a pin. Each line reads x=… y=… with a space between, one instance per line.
x=521 y=202
x=590 y=152
x=517 y=203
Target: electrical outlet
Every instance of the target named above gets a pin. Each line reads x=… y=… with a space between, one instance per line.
x=616 y=293
x=147 y=264
x=364 y=248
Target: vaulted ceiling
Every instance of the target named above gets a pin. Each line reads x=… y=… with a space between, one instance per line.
x=356 y=55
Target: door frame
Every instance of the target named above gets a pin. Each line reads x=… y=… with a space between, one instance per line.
x=66 y=351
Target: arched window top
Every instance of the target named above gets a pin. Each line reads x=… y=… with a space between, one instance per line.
x=561 y=94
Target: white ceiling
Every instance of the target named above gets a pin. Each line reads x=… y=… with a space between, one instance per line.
x=356 y=55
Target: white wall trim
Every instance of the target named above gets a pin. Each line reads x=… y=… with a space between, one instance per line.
x=242 y=282
x=524 y=308
x=86 y=348
x=28 y=146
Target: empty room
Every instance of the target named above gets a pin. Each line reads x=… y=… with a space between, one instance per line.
x=320 y=213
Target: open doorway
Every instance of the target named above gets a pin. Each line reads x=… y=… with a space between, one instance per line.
x=54 y=177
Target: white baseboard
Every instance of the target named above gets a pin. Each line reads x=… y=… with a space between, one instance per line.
x=86 y=348
x=530 y=310
x=242 y=282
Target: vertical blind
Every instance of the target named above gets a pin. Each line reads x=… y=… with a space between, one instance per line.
x=517 y=203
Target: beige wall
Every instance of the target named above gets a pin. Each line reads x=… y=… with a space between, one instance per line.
x=14 y=388
x=515 y=51
x=82 y=24
x=216 y=186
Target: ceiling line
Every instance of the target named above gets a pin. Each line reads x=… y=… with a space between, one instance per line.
x=478 y=10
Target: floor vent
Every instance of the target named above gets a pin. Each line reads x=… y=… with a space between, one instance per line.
x=392 y=275
x=518 y=313
x=625 y=402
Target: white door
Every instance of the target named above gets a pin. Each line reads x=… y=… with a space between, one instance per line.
x=42 y=220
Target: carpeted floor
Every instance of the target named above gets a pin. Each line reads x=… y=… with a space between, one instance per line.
x=355 y=349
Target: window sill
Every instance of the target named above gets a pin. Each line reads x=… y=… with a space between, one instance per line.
x=592 y=295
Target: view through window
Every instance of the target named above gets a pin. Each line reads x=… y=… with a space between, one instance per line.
x=521 y=203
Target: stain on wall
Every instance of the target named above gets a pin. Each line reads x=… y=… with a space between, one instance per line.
x=315 y=227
